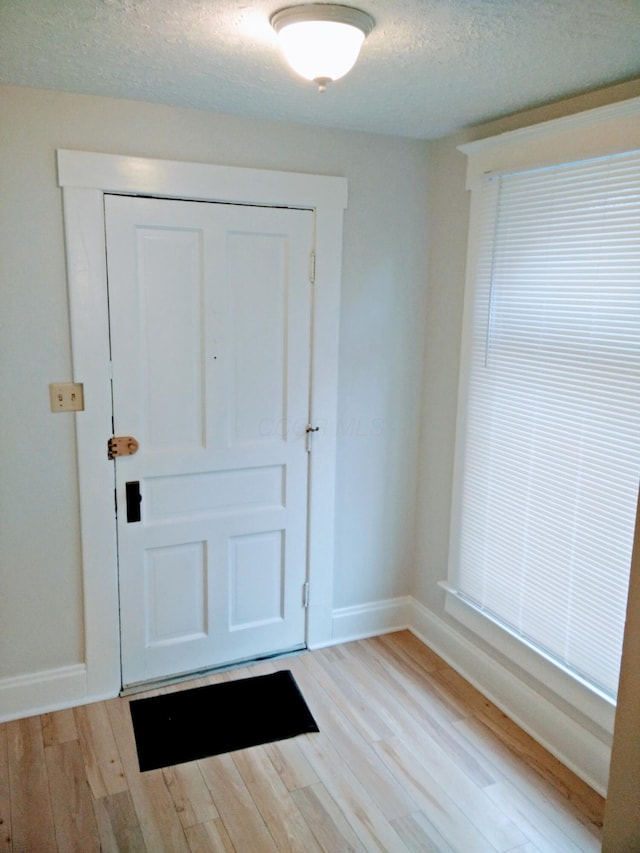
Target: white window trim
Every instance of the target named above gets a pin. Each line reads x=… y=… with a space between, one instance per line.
x=600 y=132
x=84 y=178
x=596 y=706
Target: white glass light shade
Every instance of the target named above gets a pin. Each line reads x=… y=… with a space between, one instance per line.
x=321 y=41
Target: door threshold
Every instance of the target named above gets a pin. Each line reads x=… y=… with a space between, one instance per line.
x=155 y=684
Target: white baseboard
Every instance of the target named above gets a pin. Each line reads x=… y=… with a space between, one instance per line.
x=576 y=747
x=42 y=692
x=369 y=620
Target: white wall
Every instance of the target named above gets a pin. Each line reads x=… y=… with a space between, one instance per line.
x=380 y=362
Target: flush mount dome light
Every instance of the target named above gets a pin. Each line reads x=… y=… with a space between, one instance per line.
x=321 y=41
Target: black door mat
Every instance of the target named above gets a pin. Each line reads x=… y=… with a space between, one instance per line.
x=191 y=724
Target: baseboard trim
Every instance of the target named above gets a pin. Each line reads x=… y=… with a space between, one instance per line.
x=369 y=620
x=576 y=747
x=43 y=692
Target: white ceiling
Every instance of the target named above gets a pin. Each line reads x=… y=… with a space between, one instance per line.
x=428 y=68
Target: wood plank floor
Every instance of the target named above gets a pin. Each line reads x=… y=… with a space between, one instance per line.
x=409 y=757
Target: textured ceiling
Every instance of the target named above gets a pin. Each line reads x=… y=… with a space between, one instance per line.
x=428 y=68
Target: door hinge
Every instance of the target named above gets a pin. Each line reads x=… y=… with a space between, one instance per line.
x=312 y=267
x=305 y=594
x=309 y=430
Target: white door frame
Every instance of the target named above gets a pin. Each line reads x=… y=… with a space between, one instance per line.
x=84 y=178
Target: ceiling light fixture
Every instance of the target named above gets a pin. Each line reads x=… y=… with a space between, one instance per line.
x=321 y=41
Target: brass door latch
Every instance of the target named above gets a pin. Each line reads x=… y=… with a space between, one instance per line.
x=121 y=445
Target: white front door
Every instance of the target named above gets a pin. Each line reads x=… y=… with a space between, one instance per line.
x=210 y=321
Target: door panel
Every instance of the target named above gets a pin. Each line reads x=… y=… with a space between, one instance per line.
x=210 y=313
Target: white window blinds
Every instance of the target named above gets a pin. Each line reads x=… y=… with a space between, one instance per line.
x=548 y=446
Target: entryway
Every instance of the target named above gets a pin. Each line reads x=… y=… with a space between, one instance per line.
x=217 y=376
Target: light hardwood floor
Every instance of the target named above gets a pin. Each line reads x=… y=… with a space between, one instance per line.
x=409 y=757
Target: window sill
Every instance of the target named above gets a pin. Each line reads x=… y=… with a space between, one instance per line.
x=596 y=706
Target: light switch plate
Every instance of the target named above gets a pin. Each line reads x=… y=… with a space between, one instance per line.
x=66 y=396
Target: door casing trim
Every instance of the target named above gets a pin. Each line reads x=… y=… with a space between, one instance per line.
x=84 y=178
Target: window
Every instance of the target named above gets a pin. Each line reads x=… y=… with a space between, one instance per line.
x=548 y=443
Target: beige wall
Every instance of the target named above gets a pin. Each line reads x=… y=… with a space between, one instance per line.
x=622 y=823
